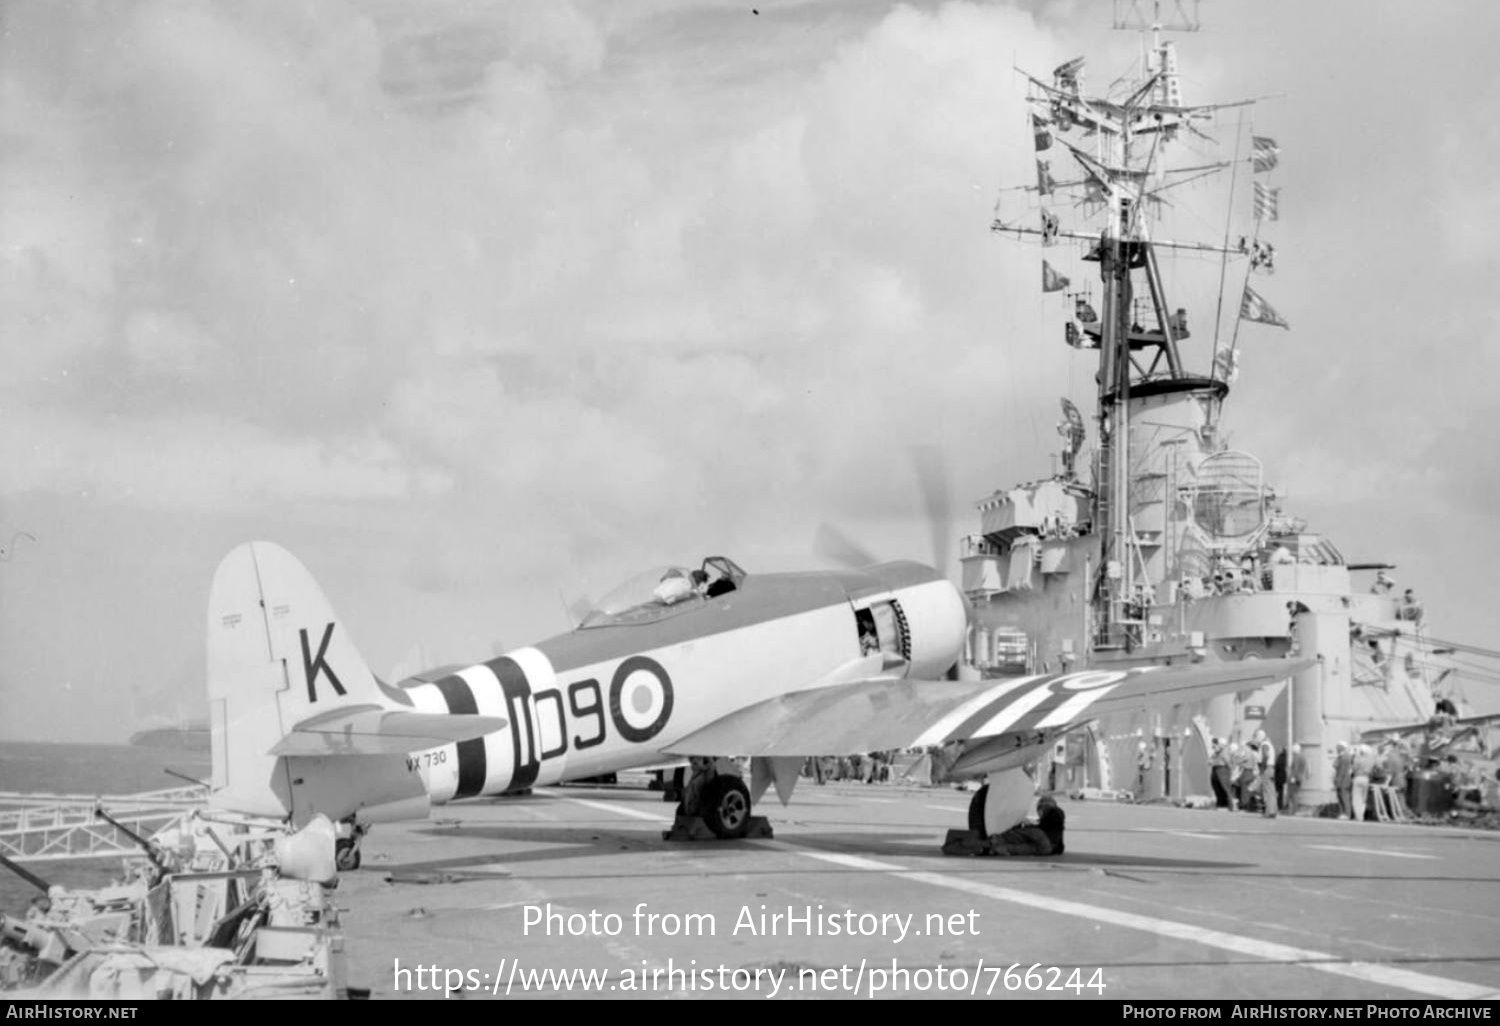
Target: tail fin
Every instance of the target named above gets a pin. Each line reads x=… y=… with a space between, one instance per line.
x=277 y=655
x=299 y=725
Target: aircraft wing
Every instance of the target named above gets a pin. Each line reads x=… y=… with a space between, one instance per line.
x=376 y=730
x=878 y=714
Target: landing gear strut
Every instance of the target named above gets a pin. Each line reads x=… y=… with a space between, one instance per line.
x=976 y=809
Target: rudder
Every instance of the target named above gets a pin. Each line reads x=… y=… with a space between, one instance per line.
x=277 y=655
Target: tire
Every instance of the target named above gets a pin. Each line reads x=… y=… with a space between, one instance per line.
x=726 y=807
x=976 y=809
x=346 y=856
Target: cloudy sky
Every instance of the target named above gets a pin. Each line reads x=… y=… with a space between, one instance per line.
x=480 y=307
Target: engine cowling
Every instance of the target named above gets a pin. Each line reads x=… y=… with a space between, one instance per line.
x=936 y=617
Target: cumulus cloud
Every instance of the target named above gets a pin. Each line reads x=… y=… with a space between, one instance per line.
x=546 y=289
x=447 y=233
x=188 y=462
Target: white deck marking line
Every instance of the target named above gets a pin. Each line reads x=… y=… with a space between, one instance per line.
x=945 y=808
x=1372 y=851
x=1383 y=975
x=852 y=861
x=1175 y=833
x=623 y=810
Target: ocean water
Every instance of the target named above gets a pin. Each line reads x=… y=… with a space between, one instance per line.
x=49 y=768
x=93 y=770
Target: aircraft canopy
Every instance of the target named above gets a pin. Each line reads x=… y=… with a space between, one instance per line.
x=664 y=591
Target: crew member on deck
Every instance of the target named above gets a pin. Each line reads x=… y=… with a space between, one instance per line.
x=1143 y=762
x=1343 y=778
x=1296 y=774
x=1044 y=837
x=1265 y=773
x=1218 y=770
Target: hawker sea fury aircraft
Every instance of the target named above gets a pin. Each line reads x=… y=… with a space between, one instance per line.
x=706 y=662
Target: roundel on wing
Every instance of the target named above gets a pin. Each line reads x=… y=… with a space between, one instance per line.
x=1088 y=680
x=640 y=698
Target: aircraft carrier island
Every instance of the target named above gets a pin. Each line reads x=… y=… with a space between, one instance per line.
x=1155 y=542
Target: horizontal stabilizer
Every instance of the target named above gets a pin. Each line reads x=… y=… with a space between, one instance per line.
x=374 y=730
x=430 y=676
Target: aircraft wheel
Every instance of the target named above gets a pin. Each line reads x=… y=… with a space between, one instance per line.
x=726 y=806
x=346 y=856
x=976 y=809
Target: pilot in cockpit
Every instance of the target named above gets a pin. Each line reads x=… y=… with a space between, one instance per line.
x=675 y=586
x=719 y=585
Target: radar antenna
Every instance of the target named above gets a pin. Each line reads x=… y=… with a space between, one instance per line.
x=1131 y=14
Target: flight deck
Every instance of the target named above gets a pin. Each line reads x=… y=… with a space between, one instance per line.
x=571 y=892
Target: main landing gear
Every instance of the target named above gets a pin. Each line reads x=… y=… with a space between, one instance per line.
x=715 y=806
x=996 y=812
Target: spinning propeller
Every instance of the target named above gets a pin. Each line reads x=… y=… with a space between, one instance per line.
x=931 y=470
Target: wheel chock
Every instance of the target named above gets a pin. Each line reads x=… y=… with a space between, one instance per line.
x=966 y=842
x=688 y=828
x=692 y=828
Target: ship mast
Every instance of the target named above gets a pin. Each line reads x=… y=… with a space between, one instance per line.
x=1119 y=598
x=1121 y=177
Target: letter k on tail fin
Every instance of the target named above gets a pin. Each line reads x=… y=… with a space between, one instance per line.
x=298 y=723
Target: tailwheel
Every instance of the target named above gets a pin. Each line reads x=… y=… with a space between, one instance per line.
x=725 y=806
x=346 y=855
